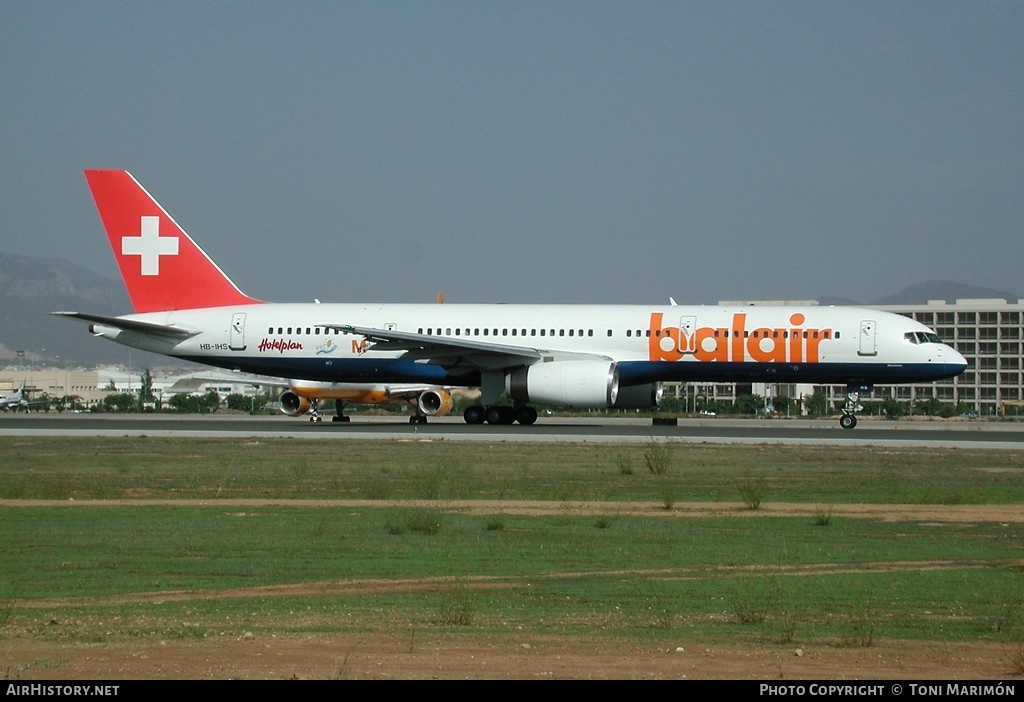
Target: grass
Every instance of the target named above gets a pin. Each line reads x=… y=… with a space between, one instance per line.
x=103 y=572
x=150 y=468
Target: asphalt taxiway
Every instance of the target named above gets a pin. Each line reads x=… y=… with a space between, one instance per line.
x=973 y=434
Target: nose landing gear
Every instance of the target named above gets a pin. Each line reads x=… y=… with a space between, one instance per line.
x=850 y=409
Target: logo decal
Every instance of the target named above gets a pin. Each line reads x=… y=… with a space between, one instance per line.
x=149 y=246
x=794 y=344
x=329 y=347
x=279 y=345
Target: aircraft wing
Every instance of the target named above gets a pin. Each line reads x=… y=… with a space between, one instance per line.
x=397 y=391
x=449 y=350
x=168 y=330
x=254 y=380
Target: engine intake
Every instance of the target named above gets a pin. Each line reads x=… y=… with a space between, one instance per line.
x=294 y=405
x=435 y=402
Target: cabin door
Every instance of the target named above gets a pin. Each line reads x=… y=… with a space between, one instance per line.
x=868 y=343
x=238 y=331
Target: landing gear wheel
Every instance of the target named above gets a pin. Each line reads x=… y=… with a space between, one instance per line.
x=526 y=415
x=474 y=414
x=500 y=414
x=342 y=418
x=417 y=419
x=852 y=406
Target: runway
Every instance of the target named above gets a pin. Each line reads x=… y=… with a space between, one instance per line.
x=963 y=434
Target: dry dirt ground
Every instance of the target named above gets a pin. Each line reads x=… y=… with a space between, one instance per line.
x=402 y=654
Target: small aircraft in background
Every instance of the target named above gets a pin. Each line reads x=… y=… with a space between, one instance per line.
x=16 y=402
x=301 y=397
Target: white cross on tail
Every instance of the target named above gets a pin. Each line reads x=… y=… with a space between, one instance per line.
x=150 y=246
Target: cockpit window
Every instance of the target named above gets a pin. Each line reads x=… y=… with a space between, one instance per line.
x=919 y=337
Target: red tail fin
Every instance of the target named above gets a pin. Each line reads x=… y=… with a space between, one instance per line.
x=162 y=267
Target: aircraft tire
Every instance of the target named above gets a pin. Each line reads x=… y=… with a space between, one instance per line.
x=848 y=421
x=474 y=414
x=500 y=414
x=526 y=415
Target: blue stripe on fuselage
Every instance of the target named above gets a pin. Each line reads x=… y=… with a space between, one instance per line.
x=637 y=372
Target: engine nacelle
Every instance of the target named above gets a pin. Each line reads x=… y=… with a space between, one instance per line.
x=435 y=402
x=294 y=405
x=640 y=396
x=583 y=384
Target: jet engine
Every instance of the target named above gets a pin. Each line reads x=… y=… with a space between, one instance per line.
x=640 y=396
x=584 y=384
x=437 y=402
x=294 y=405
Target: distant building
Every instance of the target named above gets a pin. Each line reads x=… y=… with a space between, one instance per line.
x=91 y=387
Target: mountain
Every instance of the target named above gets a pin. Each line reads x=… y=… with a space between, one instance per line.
x=31 y=288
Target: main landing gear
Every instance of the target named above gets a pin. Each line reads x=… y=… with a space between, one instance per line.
x=339 y=412
x=340 y=416
x=850 y=409
x=314 y=411
x=500 y=414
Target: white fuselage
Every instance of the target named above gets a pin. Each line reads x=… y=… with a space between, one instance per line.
x=855 y=346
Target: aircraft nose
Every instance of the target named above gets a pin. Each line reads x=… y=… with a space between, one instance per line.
x=955 y=361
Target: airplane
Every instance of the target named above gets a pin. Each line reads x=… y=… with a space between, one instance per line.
x=581 y=356
x=16 y=402
x=302 y=397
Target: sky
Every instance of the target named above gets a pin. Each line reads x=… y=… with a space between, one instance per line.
x=605 y=152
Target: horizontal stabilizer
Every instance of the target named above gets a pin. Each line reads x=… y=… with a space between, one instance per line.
x=167 y=330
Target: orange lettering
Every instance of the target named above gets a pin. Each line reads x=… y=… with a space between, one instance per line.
x=763 y=345
x=757 y=351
